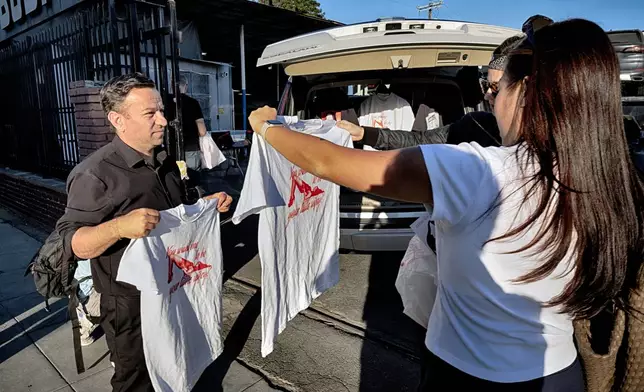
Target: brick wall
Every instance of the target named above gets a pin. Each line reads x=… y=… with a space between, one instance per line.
x=41 y=201
x=92 y=126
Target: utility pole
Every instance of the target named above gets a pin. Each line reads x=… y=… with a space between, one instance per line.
x=430 y=7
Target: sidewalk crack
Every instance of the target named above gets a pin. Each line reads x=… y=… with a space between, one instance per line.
x=250 y=386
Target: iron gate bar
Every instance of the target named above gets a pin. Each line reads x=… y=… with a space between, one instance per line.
x=135 y=35
x=56 y=114
x=109 y=58
x=155 y=64
x=174 y=43
x=163 y=80
x=150 y=34
x=86 y=46
x=150 y=4
x=147 y=58
x=116 y=56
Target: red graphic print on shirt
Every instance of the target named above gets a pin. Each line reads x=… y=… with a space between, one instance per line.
x=313 y=195
x=192 y=270
x=380 y=120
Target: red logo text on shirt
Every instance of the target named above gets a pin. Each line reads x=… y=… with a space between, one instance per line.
x=312 y=194
x=192 y=271
x=379 y=120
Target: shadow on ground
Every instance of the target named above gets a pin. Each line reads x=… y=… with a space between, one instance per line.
x=239 y=247
x=38 y=324
x=213 y=377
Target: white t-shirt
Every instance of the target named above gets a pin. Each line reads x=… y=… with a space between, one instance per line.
x=299 y=233
x=178 y=269
x=386 y=111
x=482 y=323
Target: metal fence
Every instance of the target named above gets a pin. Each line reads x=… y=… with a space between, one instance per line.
x=93 y=41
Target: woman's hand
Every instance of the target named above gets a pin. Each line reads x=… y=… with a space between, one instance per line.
x=258 y=117
x=356 y=131
x=397 y=174
x=223 y=201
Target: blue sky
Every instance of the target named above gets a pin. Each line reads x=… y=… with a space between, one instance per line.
x=610 y=14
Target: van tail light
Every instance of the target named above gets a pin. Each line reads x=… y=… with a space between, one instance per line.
x=634 y=49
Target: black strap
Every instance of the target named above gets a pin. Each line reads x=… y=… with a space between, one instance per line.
x=72 y=290
x=64 y=274
x=76 y=327
x=81 y=280
x=431 y=241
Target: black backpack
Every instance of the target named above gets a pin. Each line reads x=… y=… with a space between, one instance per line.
x=53 y=274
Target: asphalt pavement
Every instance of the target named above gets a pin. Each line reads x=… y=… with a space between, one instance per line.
x=36 y=351
x=353 y=338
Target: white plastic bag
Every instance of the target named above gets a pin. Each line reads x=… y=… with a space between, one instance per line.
x=416 y=281
x=211 y=155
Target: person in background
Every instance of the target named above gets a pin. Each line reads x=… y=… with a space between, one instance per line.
x=530 y=235
x=477 y=127
x=194 y=127
x=113 y=196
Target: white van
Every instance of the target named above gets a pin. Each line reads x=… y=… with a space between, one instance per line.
x=432 y=62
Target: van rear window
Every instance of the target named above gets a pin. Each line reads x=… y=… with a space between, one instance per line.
x=631 y=37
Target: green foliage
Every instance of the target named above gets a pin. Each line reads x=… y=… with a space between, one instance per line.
x=306 y=7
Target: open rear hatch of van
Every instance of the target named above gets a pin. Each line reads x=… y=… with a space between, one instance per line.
x=387 y=44
x=420 y=60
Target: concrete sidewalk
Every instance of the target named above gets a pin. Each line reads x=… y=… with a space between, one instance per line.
x=36 y=350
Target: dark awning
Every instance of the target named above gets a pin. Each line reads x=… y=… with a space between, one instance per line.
x=218 y=23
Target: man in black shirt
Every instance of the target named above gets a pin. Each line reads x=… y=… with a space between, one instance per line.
x=113 y=196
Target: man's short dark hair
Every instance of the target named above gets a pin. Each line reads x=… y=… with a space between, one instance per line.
x=116 y=89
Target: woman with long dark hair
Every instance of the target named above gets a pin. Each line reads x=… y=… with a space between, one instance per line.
x=531 y=235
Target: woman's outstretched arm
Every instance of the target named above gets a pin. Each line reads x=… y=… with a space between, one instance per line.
x=398 y=174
